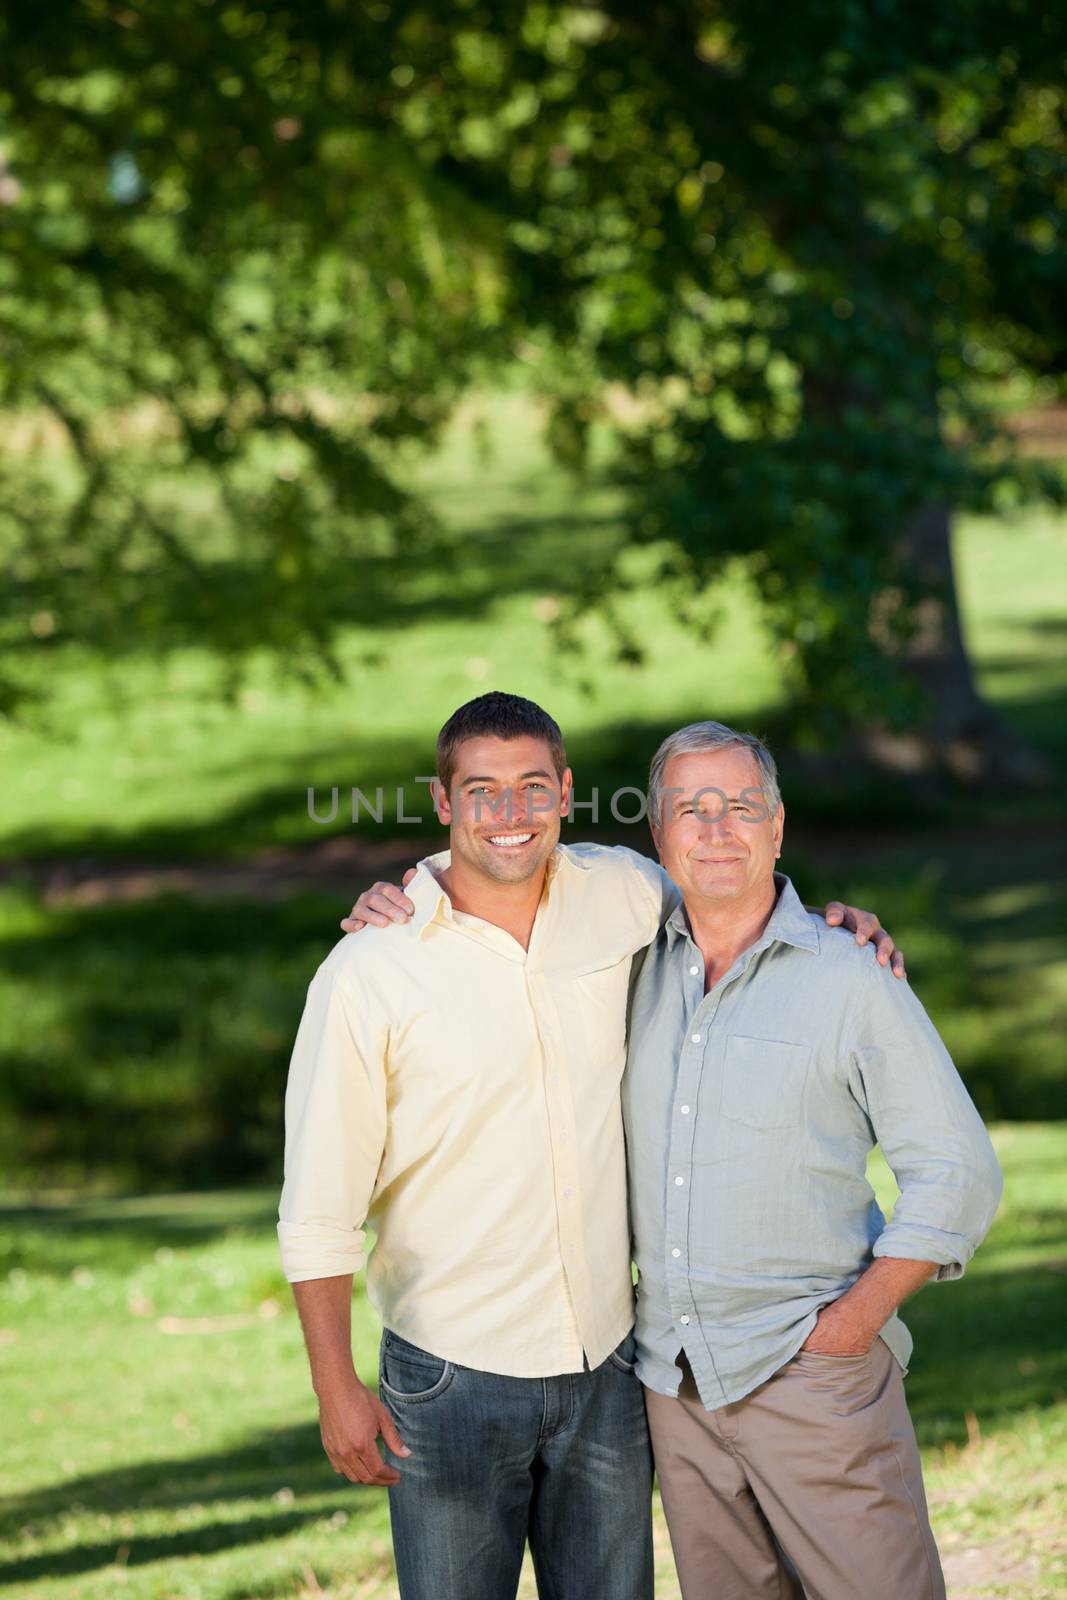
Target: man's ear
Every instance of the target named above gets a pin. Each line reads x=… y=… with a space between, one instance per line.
x=566 y=790
x=441 y=803
x=779 y=830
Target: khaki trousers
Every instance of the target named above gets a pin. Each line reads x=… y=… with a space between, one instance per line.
x=810 y=1486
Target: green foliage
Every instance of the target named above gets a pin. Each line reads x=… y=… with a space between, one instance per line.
x=790 y=258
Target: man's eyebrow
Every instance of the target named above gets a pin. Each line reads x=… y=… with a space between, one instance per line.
x=539 y=773
x=731 y=799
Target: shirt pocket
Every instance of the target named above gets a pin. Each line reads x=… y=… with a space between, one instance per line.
x=763 y=1081
x=598 y=998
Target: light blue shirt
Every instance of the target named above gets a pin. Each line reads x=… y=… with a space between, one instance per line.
x=750 y=1112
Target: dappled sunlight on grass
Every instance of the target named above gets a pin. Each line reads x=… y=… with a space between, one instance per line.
x=165 y=1442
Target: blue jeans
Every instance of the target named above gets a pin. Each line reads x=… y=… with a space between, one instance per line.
x=563 y=1462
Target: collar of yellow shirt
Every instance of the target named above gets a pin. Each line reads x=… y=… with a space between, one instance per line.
x=432 y=904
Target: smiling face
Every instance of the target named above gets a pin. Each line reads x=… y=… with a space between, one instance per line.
x=504 y=807
x=716 y=836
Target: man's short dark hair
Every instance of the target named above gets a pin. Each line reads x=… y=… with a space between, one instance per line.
x=497 y=716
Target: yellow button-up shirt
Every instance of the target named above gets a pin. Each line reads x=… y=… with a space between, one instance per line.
x=459 y=1096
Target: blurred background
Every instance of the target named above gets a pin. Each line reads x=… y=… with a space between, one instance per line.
x=656 y=361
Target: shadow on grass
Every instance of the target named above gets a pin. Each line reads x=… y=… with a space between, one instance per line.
x=1041 y=718
x=54 y=1239
x=141 y=1551
x=150 y=1041
x=990 y=1345
x=987 y=1346
x=291 y=1457
x=468 y=572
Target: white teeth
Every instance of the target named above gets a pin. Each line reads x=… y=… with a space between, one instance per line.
x=506 y=839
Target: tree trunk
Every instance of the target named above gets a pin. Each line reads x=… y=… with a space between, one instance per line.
x=960 y=733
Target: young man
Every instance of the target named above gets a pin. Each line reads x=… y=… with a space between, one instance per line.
x=765 y=1060
x=455 y=1087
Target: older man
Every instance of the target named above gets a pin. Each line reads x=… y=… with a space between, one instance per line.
x=767 y=1056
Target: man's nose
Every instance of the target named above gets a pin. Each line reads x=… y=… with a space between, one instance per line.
x=515 y=808
x=716 y=825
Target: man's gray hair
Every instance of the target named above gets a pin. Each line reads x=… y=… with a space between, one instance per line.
x=705 y=736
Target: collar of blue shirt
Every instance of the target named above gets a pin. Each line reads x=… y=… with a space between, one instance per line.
x=789 y=923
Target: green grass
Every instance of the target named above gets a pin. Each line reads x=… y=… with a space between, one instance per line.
x=1012 y=579
x=144 y=1042
x=161 y=1441
x=147 y=1044
x=139 y=756
x=163 y=1023
x=171 y=769
x=133 y=754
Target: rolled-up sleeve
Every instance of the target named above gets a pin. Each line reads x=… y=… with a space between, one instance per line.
x=335 y=1121
x=930 y=1133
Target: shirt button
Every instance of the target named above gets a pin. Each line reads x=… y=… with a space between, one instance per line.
x=679 y=1182
x=693 y=971
x=696 y=1038
x=684 y=1321
x=566 y=1194
x=676 y=1252
x=685 y=1111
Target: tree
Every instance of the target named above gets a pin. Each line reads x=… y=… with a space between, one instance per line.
x=811 y=246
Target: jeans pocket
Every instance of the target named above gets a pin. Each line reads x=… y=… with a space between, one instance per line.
x=624 y=1356
x=407 y=1374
